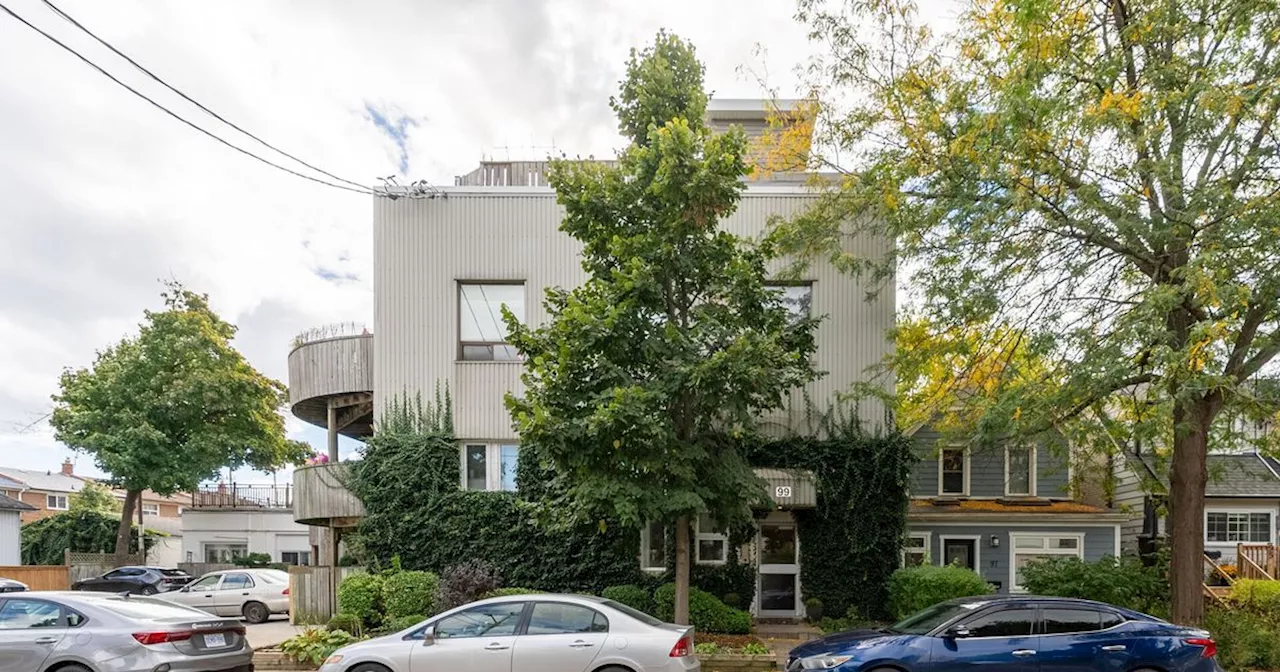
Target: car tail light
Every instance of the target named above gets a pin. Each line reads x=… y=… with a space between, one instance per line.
x=683 y=648
x=1210 y=647
x=149 y=638
x=286 y=592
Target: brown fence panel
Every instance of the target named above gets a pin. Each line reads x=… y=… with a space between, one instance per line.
x=199 y=569
x=40 y=577
x=88 y=565
x=310 y=596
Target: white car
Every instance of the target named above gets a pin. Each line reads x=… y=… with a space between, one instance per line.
x=528 y=633
x=253 y=594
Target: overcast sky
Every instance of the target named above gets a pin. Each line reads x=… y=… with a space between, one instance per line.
x=102 y=195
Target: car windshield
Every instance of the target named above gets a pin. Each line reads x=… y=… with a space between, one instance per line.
x=633 y=613
x=173 y=572
x=923 y=622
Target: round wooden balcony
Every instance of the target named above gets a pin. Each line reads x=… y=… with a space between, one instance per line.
x=321 y=497
x=331 y=379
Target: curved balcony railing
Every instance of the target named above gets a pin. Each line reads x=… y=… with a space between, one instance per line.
x=321 y=497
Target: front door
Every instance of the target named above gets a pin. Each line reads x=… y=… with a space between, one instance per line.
x=779 y=588
x=960 y=552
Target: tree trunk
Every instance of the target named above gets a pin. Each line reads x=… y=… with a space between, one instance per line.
x=1187 y=481
x=682 y=571
x=124 y=532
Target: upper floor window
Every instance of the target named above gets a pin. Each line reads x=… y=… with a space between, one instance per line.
x=953 y=472
x=1238 y=527
x=56 y=502
x=796 y=298
x=1020 y=470
x=488 y=466
x=150 y=509
x=482 y=335
x=653 y=547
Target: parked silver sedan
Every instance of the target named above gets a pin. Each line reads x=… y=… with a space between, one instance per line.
x=528 y=633
x=254 y=594
x=102 y=632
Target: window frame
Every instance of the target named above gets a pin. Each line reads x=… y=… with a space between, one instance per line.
x=1045 y=549
x=1100 y=612
x=646 y=548
x=193 y=587
x=204 y=548
x=298 y=557
x=63 y=621
x=523 y=628
x=968 y=471
x=924 y=549
x=1248 y=514
x=493 y=464
x=461 y=344
x=782 y=286
x=54 y=497
x=700 y=536
x=155 y=509
x=1032 y=469
x=521 y=618
x=992 y=611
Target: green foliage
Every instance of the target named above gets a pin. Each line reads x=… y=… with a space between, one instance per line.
x=94 y=496
x=466 y=582
x=733 y=578
x=813 y=609
x=253 y=560
x=1124 y=582
x=404 y=622
x=360 y=595
x=633 y=596
x=406 y=593
x=914 y=588
x=706 y=613
x=508 y=592
x=640 y=380
x=755 y=649
x=1262 y=597
x=853 y=540
x=1246 y=640
x=706 y=649
x=733 y=600
x=87 y=531
x=350 y=623
x=314 y=645
x=850 y=621
x=170 y=407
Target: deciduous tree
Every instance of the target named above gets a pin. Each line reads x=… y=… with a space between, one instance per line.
x=94 y=497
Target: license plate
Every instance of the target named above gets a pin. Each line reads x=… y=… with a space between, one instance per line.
x=215 y=640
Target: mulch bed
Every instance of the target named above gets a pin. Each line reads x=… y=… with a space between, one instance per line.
x=730 y=641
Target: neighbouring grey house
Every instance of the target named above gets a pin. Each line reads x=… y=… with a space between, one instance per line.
x=1241 y=505
x=996 y=508
x=11 y=530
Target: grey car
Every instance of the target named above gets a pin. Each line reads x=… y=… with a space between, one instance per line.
x=101 y=632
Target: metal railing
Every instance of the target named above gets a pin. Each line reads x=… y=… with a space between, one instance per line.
x=327 y=331
x=236 y=496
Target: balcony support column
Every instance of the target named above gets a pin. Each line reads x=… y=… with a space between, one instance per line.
x=333 y=432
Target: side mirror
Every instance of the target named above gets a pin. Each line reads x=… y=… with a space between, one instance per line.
x=429 y=636
x=957 y=632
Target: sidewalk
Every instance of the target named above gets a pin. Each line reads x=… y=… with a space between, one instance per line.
x=271 y=633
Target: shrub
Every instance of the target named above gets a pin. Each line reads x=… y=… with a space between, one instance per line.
x=732 y=600
x=632 y=596
x=755 y=649
x=1261 y=597
x=914 y=588
x=349 y=623
x=314 y=645
x=465 y=583
x=1124 y=582
x=361 y=596
x=508 y=592
x=706 y=613
x=252 y=560
x=405 y=622
x=706 y=648
x=1246 y=641
x=813 y=609
x=409 y=593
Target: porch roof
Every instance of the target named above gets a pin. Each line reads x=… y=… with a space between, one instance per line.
x=1011 y=510
x=790 y=488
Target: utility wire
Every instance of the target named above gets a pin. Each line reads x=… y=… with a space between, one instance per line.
x=162 y=108
x=189 y=99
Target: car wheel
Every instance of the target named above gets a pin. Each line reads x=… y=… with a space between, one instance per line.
x=255 y=612
x=148 y=590
x=369 y=667
x=74 y=667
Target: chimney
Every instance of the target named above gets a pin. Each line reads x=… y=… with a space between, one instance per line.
x=67 y=469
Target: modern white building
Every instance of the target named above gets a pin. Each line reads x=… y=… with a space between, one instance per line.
x=11 y=511
x=232 y=521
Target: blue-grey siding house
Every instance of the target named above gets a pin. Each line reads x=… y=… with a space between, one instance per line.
x=996 y=508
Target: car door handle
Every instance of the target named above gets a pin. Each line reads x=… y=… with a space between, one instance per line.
x=1115 y=647
x=581 y=645
x=1024 y=653
x=46 y=640
x=496 y=647
x=245 y=594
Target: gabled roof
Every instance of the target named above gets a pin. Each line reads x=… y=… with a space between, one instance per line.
x=1230 y=475
x=47 y=481
x=10 y=504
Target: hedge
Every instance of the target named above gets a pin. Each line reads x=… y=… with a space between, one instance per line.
x=633 y=596
x=408 y=593
x=914 y=588
x=1124 y=582
x=360 y=595
x=706 y=613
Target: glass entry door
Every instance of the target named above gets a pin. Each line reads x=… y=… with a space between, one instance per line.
x=778 y=591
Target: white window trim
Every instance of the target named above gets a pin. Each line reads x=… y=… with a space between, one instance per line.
x=700 y=536
x=977 y=549
x=1271 y=526
x=1031 y=477
x=968 y=471
x=928 y=539
x=644 y=550
x=64 y=499
x=1078 y=552
x=150 y=509
x=492 y=463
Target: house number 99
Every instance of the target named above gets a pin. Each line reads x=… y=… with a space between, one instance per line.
x=782 y=491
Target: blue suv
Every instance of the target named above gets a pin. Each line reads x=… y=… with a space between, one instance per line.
x=1015 y=634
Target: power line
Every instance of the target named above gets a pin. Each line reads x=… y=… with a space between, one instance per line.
x=215 y=115
x=162 y=108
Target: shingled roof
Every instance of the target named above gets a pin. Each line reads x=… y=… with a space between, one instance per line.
x=8 y=503
x=1230 y=475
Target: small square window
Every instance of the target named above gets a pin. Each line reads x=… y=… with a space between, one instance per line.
x=797 y=299
x=490 y=466
x=150 y=509
x=56 y=502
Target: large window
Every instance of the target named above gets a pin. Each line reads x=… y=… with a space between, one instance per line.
x=482 y=334
x=490 y=466
x=1031 y=546
x=55 y=502
x=953 y=468
x=150 y=509
x=1222 y=527
x=712 y=546
x=797 y=299
x=295 y=557
x=224 y=552
x=653 y=547
x=916 y=552
x=1020 y=465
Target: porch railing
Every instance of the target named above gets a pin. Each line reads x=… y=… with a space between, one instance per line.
x=1258 y=561
x=236 y=496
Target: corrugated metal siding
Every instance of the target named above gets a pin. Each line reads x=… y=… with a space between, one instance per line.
x=422 y=248
x=10 y=538
x=1099 y=542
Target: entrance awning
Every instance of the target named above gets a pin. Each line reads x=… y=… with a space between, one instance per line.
x=790 y=488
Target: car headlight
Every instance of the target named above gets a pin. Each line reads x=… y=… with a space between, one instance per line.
x=825 y=661
x=333 y=660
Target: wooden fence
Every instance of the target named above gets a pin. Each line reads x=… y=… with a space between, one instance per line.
x=40 y=577
x=199 y=569
x=88 y=565
x=311 y=598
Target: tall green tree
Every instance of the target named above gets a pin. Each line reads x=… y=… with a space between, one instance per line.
x=1099 y=173
x=170 y=407
x=641 y=378
x=94 y=497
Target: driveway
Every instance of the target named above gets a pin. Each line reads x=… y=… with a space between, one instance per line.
x=270 y=633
